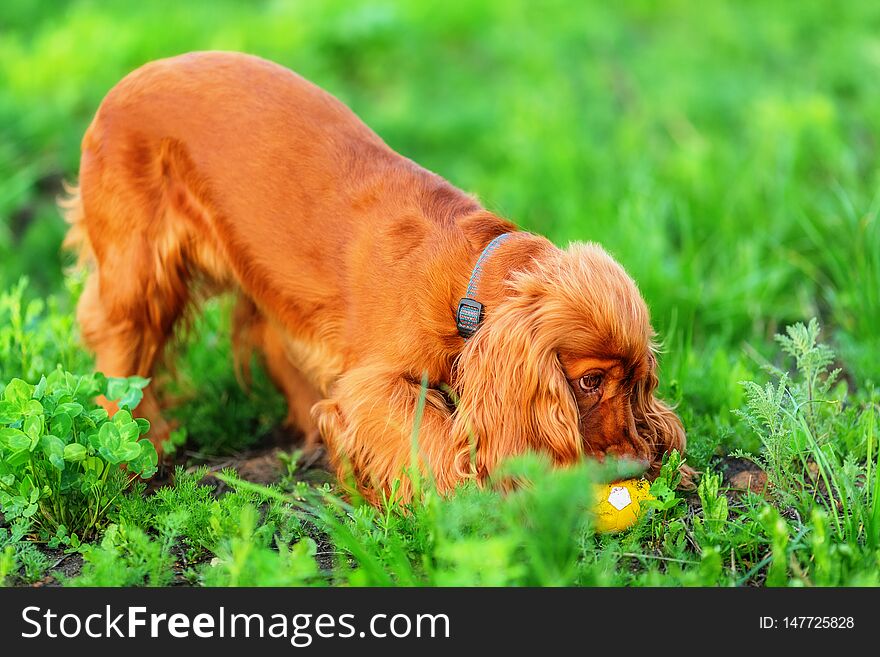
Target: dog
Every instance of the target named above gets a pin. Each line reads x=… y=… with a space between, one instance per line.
x=406 y=325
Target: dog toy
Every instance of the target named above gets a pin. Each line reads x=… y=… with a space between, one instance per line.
x=619 y=504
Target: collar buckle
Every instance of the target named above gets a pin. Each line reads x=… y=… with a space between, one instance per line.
x=468 y=317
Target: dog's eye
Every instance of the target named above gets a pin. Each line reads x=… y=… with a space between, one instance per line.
x=590 y=383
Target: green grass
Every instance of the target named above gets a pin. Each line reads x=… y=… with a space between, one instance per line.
x=724 y=152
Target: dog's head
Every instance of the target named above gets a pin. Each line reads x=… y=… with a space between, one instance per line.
x=565 y=364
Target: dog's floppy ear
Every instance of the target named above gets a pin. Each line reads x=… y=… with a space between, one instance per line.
x=513 y=394
x=657 y=423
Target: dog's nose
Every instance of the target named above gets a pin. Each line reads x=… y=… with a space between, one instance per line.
x=629 y=452
x=626 y=450
x=643 y=463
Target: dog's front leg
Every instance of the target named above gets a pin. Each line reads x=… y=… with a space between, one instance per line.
x=373 y=434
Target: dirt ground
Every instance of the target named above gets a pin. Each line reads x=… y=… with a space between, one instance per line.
x=742 y=475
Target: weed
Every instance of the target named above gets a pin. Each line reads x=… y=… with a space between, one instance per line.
x=128 y=556
x=246 y=560
x=804 y=426
x=217 y=414
x=37 y=335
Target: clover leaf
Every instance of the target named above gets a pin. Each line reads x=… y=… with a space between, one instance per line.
x=127 y=392
x=14 y=439
x=145 y=464
x=53 y=448
x=74 y=452
x=18 y=393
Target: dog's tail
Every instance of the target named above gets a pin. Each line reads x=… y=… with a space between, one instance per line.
x=77 y=238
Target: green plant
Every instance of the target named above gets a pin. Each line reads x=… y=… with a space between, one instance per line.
x=19 y=556
x=217 y=414
x=664 y=488
x=62 y=457
x=8 y=563
x=775 y=411
x=37 y=334
x=804 y=426
x=778 y=533
x=245 y=560
x=128 y=556
x=852 y=273
x=194 y=524
x=192 y=505
x=713 y=502
x=33 y=563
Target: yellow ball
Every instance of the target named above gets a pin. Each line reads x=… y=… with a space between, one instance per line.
x=618 y=505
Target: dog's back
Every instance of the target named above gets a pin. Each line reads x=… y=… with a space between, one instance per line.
x=221 y=143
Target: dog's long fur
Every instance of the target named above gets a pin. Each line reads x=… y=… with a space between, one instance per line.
x=219 y=171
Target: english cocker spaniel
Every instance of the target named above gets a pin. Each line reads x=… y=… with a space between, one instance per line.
x=358 y=273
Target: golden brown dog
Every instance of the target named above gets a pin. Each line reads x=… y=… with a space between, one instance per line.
x=219 y=171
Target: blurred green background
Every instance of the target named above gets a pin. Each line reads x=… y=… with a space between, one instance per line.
x=724 y=152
